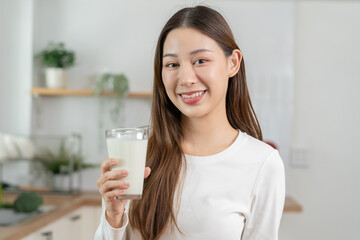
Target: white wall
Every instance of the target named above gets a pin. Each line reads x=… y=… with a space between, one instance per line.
x=15 y=66
x=116 y=35
x=326 y=118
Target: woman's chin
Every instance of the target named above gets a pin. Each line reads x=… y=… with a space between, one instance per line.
x=195 y=113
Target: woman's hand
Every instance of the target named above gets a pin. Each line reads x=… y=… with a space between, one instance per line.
x=110 y=186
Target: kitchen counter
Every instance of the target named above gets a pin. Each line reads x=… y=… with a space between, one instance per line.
x=65 y=204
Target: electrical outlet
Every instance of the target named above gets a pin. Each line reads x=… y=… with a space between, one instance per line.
x=300 y=157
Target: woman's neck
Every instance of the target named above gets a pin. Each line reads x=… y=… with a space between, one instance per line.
x=207 y=136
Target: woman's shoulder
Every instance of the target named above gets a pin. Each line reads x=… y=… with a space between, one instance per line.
x=255 y=145
x=260 y=155
x=255 y=150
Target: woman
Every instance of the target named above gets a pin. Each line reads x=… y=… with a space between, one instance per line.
x=211 y=175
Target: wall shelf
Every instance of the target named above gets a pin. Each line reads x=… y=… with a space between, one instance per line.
x=291 y=205
x=73 y=92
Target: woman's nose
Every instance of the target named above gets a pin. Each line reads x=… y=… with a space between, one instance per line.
x=187 y=76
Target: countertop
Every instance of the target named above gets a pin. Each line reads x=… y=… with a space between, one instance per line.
x=65 y=204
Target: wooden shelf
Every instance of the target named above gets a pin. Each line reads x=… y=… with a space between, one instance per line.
x=73 y=92
x=291 y=205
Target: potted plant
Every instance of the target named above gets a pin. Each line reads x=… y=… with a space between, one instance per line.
x=56 y=58
x=116 y=86
x=57 y=166
x=112 y=83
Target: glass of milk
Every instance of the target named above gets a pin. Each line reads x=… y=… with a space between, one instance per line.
x=129 y=145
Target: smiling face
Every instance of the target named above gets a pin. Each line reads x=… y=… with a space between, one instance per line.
x=195 y=73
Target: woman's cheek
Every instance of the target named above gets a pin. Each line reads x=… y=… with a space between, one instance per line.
x=169 y=80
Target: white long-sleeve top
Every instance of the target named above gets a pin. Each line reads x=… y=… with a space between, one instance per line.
x=236 y=194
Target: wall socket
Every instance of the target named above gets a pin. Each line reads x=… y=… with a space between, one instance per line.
x=300 y=157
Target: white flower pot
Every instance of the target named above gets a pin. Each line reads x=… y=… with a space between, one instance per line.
x=62 y=182
x=56 y=77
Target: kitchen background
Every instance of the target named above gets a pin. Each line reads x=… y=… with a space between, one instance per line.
x=303 y=74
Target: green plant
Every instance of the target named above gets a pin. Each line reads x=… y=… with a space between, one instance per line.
x=6 y=205
x=56 y=55
x=3 y=204
x=1 y=193
x=114 y=83
x=27 y=202
x=59 y=163
x=116 y=86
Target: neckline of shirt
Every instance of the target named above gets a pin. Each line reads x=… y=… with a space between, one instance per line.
x=219 y=155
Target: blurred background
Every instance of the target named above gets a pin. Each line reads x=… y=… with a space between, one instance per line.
x=302 y=61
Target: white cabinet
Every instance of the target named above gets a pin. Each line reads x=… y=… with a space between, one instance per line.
x=79 y=224
x=90 y=222
x=73 y=225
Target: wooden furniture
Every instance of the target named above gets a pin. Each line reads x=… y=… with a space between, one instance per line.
x=73 y=92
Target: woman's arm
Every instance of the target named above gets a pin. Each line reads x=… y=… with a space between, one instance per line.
x=267 y=201
x=114 y=217
x=106 y=232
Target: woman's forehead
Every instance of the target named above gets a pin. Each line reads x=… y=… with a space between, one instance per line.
x=187 y=40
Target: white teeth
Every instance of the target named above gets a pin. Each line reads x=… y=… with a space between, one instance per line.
x=194 y=95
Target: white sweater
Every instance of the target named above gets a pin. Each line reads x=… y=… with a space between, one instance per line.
x=236 y=194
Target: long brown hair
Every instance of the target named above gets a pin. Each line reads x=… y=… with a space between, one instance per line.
x=154 y=212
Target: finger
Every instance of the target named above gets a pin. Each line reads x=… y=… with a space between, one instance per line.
x=147 y=172
x=111 y=185
x=109 y=196
x=107 y=164
x=112 y=175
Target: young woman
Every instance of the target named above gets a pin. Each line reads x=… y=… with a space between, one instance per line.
x=211 y=175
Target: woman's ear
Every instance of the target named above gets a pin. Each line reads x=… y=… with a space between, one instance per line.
x=234 y=61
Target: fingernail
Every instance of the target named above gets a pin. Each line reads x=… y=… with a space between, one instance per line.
x=127 y=184
x=114 y=160
x=123 y=172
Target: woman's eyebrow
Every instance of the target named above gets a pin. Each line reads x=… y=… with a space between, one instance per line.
x=170 y=55
x=200 y=50
x=191 y=53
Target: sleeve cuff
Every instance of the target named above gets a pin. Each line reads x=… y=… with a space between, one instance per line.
x=116 y=233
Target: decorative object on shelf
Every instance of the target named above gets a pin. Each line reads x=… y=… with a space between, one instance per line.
x=61 y=166
x=58 y=163
x=116 y=86
x=56 y=58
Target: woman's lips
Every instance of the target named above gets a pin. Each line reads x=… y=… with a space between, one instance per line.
x=192 y=97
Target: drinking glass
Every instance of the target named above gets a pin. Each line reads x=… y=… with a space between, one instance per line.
x=129 y=146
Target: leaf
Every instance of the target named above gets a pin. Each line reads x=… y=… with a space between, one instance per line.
x=6 y=205
x=59 y=163
x=56 y=55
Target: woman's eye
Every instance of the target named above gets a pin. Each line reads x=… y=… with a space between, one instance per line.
x=200 y=61
x=171 y=65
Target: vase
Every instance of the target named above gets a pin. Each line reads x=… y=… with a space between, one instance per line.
x=62 y=182
x=56 y=78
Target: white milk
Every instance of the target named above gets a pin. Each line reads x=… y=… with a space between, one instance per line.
x=132 y=156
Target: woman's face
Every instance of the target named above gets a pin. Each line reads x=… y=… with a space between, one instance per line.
x=195 y=73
